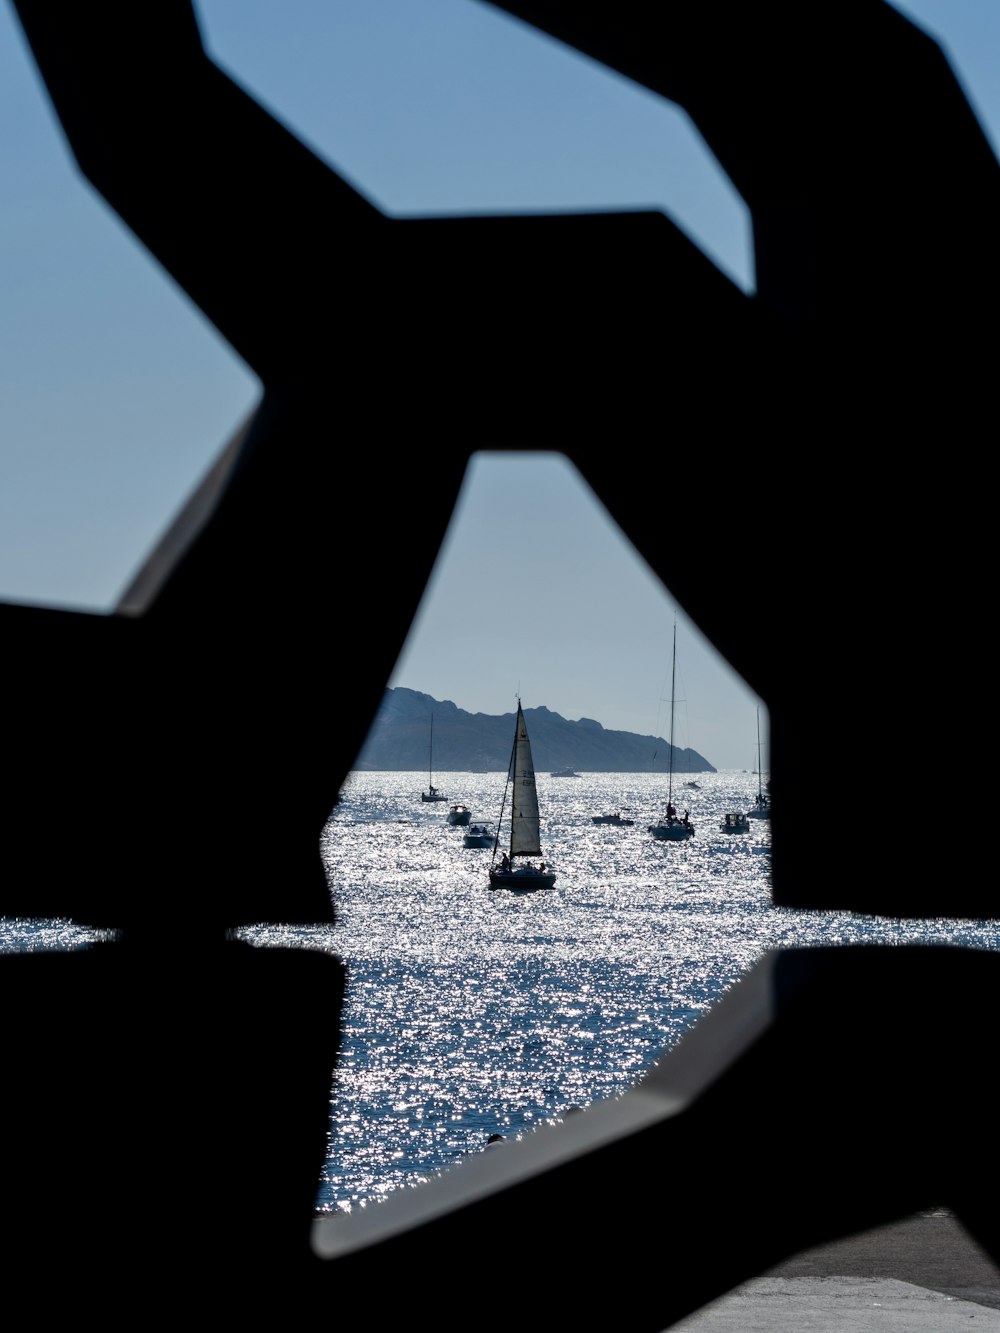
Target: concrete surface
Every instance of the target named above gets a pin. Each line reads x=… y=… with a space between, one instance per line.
x=839 y=1305
x=922 y=1275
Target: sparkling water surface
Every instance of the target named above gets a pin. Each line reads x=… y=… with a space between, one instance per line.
x=471 y=1011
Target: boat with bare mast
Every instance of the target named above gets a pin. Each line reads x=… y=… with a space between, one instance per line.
x=432 y=793
x=762 y=810
x=671 y=828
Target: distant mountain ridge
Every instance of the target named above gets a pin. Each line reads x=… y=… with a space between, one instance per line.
x=464 y=742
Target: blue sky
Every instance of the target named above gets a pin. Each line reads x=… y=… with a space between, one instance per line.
x=116 y=394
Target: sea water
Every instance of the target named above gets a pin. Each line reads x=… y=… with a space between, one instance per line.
x=471 y=1011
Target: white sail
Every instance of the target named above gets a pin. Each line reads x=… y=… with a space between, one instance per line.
x=525 y=838
x=524 y=832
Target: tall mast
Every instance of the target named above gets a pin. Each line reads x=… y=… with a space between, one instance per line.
x=760 y=775
x=670 y=754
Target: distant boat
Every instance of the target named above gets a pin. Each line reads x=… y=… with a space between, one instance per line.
x=695 y=785
x=459 y=814
x=735 y=822
x=611 y=819
x=564 y=773
x=432 y=793
x=762 y=810
x=478 y=835
x=671 y=828
x=525 y=824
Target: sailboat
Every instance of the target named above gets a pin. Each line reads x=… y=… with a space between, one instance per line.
x=525 y=836
x=432 y=793
x=762 y=810
x=671 y=828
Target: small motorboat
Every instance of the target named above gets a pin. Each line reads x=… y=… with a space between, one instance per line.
x=459 y=814
x=735 y=822
x=611 y=819
x=477 y=835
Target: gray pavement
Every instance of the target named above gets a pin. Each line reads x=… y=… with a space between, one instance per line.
x=922 y=1275
x=836 y=1305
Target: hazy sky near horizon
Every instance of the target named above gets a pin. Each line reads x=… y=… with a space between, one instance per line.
x=116 y=394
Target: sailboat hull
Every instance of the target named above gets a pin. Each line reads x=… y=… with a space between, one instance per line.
x=522 y=879
x=672 y=831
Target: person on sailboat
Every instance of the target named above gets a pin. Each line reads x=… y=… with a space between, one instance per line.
x=671 y=811
x=505 y=862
